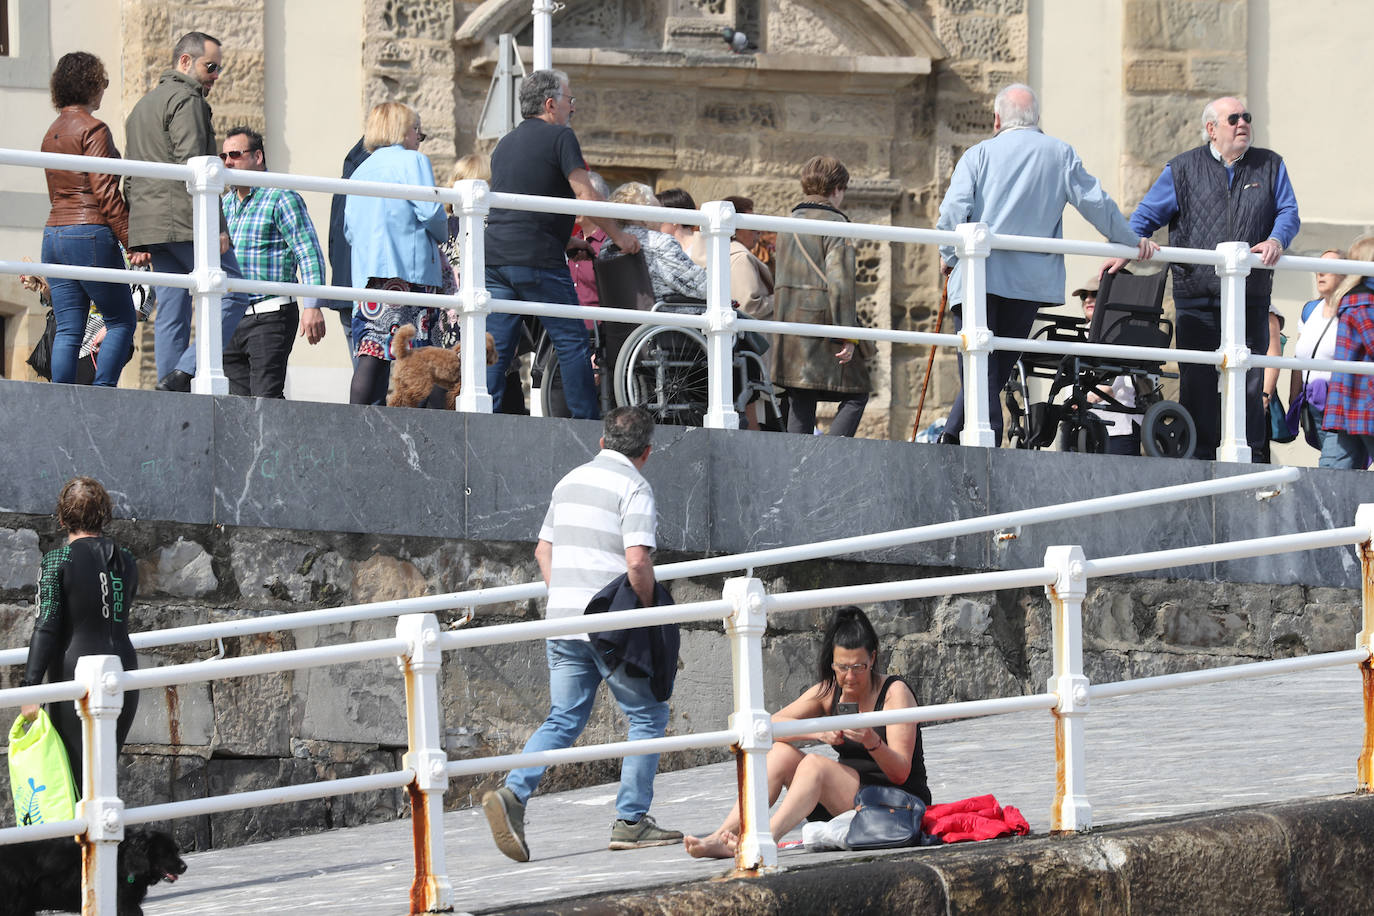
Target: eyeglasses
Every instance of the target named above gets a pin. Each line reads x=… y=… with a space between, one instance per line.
x=419 y=134
x=861 y=667
x=1233 y=118
x=212 y=67
x=235 y=154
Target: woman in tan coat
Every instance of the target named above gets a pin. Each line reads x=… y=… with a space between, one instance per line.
x=814 y=284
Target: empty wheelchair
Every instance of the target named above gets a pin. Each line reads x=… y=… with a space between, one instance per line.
x=1129 y=313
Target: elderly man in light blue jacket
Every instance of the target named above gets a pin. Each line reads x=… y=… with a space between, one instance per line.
x=1018 y=183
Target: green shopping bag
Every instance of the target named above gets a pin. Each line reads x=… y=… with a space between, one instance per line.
x=40 y=774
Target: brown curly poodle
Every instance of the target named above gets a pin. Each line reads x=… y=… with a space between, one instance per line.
x=423 y=376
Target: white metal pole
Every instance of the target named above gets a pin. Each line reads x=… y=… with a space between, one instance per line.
x=100 y=805
x=1364 y=518
x=1234 y=445
x=543 y=34
x=720 y=336
x=973 y=253
x=1072 y=811
x=426 y=758
x=475 y=301
x=205 y=187
x=750 y=721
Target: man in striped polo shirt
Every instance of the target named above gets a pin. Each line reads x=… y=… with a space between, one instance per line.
x=600 y=525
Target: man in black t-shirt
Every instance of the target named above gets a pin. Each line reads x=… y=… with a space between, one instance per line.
x=525 y=250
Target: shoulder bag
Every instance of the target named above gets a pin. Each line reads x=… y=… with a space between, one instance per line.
x=885 y=817
x=40 y=774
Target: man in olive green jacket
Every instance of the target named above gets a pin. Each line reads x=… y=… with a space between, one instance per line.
x=172 y=124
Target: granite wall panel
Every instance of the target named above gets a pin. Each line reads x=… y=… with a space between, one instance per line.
x=152 y=451
x=317 y=467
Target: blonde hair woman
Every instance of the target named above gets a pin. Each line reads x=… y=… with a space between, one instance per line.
x=395 y=244
x=1350 y=398
x=1316 y=340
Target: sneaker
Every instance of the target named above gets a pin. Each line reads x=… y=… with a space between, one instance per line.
x=506 y=816
x=643 y=832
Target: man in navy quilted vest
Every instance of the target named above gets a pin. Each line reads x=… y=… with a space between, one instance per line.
x=1223 y=191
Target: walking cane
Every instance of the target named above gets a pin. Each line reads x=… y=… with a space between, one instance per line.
x=930 y=360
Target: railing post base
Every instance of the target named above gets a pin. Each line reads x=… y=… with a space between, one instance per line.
x=977 y=338
x=1364 y=518
x=750 y=721
x=100 y=805
x=430 y=890
x=1072 y=812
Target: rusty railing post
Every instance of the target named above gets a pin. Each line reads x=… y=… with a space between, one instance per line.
x=1072 y=811
x=1364 y=518
x=430 y=890
x=100 y=805
x=750 y=721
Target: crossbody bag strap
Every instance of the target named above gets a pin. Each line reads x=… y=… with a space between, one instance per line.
x=1330 y=321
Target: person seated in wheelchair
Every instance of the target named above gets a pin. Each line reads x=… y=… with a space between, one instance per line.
x=1123 y=433
x=679 y=281
x=674 y=275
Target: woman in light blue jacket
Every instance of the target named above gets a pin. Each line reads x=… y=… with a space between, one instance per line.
x=395 y=245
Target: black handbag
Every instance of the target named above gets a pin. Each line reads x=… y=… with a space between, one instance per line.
x=41 y=357
x=885 y=817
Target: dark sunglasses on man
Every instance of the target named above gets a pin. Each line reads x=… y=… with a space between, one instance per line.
x=1233 y=118
x=235 y=154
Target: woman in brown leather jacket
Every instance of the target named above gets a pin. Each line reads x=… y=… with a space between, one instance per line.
x=88 y=224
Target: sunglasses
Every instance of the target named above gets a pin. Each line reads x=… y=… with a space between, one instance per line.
x=212 y=67
x=1232 y=119
x=235 y=154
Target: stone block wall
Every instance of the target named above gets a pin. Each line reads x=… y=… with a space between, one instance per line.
x=244 y=734
x=1179 y=55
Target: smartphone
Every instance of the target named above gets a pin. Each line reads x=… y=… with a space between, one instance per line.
x=846 y=709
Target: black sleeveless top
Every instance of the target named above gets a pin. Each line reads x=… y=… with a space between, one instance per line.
x=853 y=755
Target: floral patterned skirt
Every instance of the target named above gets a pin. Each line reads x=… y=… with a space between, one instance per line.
x=375 y=323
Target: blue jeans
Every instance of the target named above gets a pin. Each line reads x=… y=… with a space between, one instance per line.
x=569 y=335
x=172 y=324
x=88 y=246
x=1344 y=450
x=575 y=672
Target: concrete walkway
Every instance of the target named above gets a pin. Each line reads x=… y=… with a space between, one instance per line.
x=1218 y=746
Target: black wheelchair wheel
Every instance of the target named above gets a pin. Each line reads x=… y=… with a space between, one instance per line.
x=1167 y=431
x=663 y=370
x=1089 y=437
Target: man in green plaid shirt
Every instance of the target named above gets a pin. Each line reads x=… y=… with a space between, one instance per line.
x=273 y=238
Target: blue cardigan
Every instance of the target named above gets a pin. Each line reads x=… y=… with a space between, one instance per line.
x=390 y=237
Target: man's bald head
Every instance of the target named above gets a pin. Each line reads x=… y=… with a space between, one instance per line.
x=1016 y=106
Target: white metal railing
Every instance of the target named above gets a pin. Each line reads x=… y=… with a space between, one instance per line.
x=100 y=685
x=867 y=543
x=207 y=178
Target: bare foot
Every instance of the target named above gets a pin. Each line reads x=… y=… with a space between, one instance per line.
x=715 y=846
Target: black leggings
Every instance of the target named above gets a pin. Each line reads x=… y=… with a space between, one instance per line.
x=370 y=379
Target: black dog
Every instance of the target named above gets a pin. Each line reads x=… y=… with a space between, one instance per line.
x=46 y=875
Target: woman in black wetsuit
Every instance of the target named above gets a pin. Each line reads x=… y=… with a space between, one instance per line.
x=85 y=590
x=817 y=786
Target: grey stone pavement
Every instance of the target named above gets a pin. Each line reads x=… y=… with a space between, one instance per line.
x=1151 y=756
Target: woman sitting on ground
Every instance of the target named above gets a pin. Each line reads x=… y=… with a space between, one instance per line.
x=819 y=787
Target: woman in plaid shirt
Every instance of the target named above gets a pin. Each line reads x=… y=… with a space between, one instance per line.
x=1350 y=399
